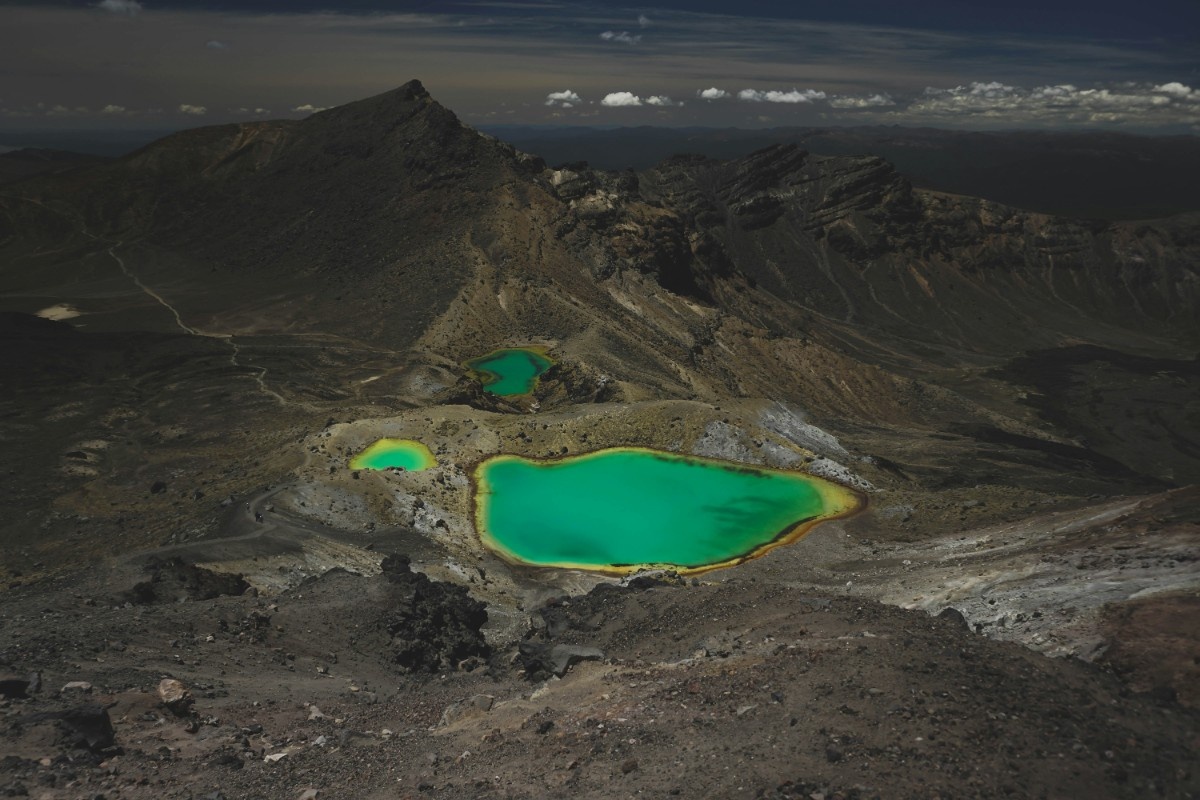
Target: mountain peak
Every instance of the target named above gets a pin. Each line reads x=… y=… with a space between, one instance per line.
x=412 y=90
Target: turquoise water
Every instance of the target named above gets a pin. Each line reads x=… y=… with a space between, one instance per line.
x=511 y=371
x=626 y=508
x=388 y=453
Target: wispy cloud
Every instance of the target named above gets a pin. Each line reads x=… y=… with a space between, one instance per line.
x=869 y=101
x=712 y=94
x=113 y=109
x=624 y=37
x=130 y=8
x=191 y=110
x=661 y=100
x=776 y=96
x=617 y=99
x=644 y=21
x=309 y=108
x=213 y=44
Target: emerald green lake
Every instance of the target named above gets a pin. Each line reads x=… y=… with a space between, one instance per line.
x=405 y=454
x=511 y=371
x=627 y=508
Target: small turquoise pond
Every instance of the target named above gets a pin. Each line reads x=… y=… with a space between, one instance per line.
x=511 y=371
x=624 y=509
x=406 y=454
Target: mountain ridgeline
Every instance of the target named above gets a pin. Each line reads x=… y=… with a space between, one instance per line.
x=1092 y=174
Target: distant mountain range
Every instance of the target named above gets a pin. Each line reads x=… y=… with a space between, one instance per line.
x=1099 y=175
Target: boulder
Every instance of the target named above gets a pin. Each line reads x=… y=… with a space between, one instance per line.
x=84 y=727
x=541 y=660
x=175 y=696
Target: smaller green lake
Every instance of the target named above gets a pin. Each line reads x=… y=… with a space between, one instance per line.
x=627 y=508
x=511 y=371
x=406 y=454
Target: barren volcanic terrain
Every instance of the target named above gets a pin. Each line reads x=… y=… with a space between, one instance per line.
x=199 y=597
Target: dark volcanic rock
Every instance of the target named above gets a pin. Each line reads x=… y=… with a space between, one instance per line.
x=436 y=625
x=84 y=727
x=174 y=579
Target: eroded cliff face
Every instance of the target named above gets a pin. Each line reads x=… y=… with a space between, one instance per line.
x=850 y=241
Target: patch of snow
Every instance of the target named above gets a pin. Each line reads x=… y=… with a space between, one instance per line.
x=59 y=312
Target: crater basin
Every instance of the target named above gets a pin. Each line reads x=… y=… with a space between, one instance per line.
x=406 y=454
x=511 y=371
x=624 y=509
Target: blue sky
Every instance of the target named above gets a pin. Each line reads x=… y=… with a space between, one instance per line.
x=1020 y=64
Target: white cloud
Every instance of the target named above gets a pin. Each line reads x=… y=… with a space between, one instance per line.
x=565 y=98
x=195 y=111
x=257 y=112
x=1178 y=90
x=621 y=99
x=129 y=8
x=644 y=21
x=661 y=100
x=213 y=44
x=624 y=37
x=112 y=109
x=1059 y=103
x=309 y=108
x=775 y=96
x=870 y=101
x=712 y=94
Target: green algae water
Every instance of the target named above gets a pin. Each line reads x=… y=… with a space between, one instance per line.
x=404 y=454
x=511 y=371
x=624 y=509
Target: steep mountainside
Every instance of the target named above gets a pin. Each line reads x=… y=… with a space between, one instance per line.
x=19 y=164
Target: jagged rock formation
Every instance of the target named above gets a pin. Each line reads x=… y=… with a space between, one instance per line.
x=433 y=626
x=174 y=580
x=1084 y=174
